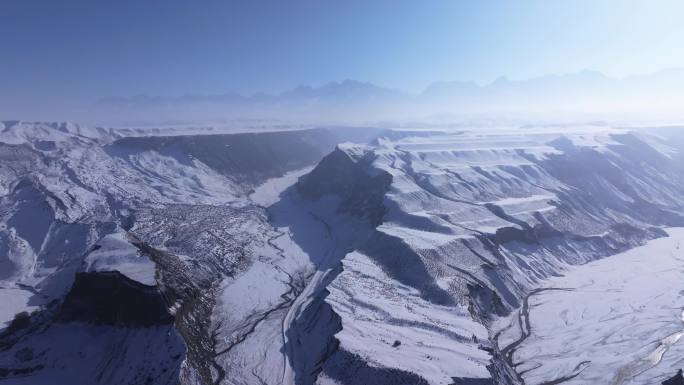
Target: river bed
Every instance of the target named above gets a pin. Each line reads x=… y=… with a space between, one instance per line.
x=613 y=321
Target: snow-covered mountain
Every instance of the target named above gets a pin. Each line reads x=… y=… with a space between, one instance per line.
x=325 y=256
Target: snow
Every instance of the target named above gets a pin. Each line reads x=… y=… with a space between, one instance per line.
x=115 y=253
x=37 y=133
x=14 y=300
x=417 y=238
x=521 y=200
x=436 y=342
x=269 y=192
x=621 y=315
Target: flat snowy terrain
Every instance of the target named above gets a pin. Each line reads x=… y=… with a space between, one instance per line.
x=617 y=320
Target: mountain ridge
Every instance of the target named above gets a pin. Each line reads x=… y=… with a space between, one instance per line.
x=584 y=94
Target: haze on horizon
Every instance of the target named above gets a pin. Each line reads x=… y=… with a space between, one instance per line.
x=175 y=61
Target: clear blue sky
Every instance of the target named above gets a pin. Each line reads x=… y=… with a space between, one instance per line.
x=89 y=49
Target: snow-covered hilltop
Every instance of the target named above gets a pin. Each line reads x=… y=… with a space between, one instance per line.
x=397 y=257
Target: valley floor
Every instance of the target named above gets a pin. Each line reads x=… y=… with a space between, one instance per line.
x=613 y=321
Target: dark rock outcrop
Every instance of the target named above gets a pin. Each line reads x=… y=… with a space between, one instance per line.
x=110 y=298
x=678 y=379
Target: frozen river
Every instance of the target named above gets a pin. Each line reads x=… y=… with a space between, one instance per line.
x=613 y=321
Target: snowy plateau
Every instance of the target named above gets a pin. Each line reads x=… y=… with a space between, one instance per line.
x=341 y=256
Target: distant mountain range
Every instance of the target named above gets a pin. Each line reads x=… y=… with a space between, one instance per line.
x=347 y=91
x=585 y=92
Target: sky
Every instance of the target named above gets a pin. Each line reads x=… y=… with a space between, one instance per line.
x=56 y=51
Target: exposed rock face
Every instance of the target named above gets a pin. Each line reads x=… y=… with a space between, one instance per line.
x=112 y=299
x=362 y=193
x=106 y=322
x=678 y=379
